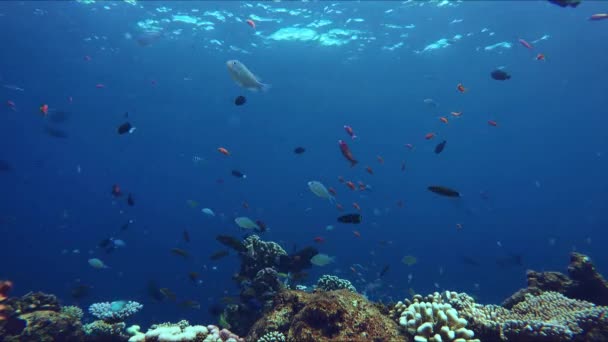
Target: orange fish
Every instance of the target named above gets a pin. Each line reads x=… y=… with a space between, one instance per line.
x=44 y=109
x=339 y=207
x=492 y=123
x=540 y=57
x=332 y=191
x=223 y=151
x=461 y=88
x=380 y=159
x=319 y=239
x=362 y=185
x=410 y=146
x=456 y=114
x=429 y=136
x=351 y=185
x=356 y=233
x=250 y=23
x=443 y=119
x=369 y=170
x=356 y=206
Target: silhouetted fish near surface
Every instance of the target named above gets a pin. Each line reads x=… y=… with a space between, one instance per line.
x=350 y=218
x=500 y=75
x=240 y=100
x=299 y=150
x=443 y=191
x=439 y=148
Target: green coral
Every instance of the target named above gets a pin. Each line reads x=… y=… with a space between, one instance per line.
x=331 y=283
x=102 y=330
x=73 y=312
x=272 y=336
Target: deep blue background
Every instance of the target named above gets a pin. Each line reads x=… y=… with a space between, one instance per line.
x=552 y=129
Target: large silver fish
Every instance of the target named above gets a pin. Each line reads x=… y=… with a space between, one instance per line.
x=245 y=78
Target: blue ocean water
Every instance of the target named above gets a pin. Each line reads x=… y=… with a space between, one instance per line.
x=533 y=187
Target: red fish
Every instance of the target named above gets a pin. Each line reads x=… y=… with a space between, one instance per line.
x=525 y=43
x=100 y=86
x=380 y=159
x=351 y=185
x=356 y=206
x=599 y=16
x=350 y=131
x=223 y=151
x=362 y=186
x=319 y=239
x=369 y=170
x=356 y=233
x=443 y=119
x=339 y=207
x=540 y=57
x=11 y=105
x=492 y=123
x=429 y=136
x=332 y=191
x=250 y=23
x=44 y=109
x=347 y=153
x=116 y=192
x=461 y=88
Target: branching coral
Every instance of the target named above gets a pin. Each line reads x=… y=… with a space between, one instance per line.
x=331 y=283
x=116 y=311
x=183 y=331
x=273 y=336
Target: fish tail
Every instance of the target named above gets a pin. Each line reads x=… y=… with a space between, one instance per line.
x=265 y=87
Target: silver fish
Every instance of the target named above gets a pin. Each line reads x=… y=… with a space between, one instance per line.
x=243 y=77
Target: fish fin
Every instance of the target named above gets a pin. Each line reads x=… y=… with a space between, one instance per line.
x=265 y=87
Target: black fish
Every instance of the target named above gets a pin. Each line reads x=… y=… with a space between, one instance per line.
x=443 y=191
x=55 y=133
x=238 y=174
x=384 y=270
x=124 y=128
x=439 y=148
x=299 y=150
x=240 y=100
x=350 y=218
x=298 y=261
x=500 y=75
x=130 y=200
x=154 y=291
x=219 y=254
x=261 y=225
x=566 y=3
x=231 y=242
x=125 y=226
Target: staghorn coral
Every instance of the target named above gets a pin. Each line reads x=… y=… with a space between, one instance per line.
x=273 y=336
x=339 y=315
x=114 y=312
x=331 y=283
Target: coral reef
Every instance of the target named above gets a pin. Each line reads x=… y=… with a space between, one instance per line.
x=549 y=316
x=38 y=317
x=103 y=331
x=339 y=315
x=331 y=283
x=260 y=255
x=114 y=312
x=73 y=311
x=183 y=331
x=273 y=336
x=582 y=282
